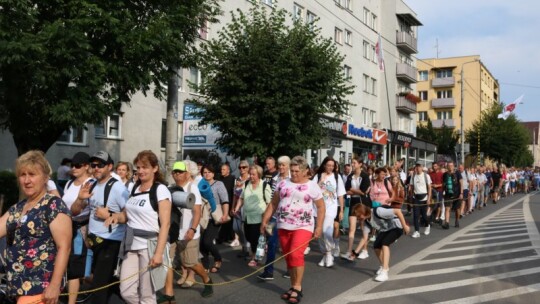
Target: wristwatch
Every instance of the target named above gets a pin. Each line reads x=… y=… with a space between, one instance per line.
x=194 y=230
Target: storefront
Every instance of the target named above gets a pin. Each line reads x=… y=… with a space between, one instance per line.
x=412 y=149
x=335 y=144
x=368 y=143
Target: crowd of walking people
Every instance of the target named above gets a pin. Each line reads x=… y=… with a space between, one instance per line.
x=110 y=222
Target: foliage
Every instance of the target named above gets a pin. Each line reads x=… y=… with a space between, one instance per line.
x=8 y=189
x=268 y=81
x=502 y=140
x=445 y=138
x=70 y=62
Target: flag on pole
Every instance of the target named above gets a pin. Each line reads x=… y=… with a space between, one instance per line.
x=379 y=52
x=509 y=108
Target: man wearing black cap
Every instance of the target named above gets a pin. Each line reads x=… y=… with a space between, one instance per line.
x=104 y=197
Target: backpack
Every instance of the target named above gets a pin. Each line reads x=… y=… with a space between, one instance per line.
x=176 y=215
x=265 y=184
x=386 y=181
x=425 y=179
x=106 y=192
x=383 y=224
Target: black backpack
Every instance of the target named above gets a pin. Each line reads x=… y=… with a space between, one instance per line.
x=176 y=215
x=106 y=192
x=265 y=184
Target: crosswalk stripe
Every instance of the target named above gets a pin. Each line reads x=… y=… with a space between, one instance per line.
x=492 y=232
x=497 y=295
x=488 y=238
x=458 y=248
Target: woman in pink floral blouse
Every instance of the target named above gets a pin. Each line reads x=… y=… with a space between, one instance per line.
x=38 y=231
x=293 y=201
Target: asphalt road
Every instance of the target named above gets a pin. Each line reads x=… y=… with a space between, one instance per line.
x=494 y=257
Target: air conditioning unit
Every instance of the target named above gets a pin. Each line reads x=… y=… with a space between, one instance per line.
x=376 y=125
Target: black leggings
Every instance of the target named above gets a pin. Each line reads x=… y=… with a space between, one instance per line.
x=252 y=232
x=207 y=243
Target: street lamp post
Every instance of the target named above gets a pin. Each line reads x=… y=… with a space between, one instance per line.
x=462 y=132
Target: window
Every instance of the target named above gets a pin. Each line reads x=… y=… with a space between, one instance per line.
x=365 y=49
x=338 y=36
x=298 y=12
x=268 y=2
x=347 y=71
x=110 y=127
x=373 y=22
x=366 y=16
x=73 y=136
x=366 y=83
x=203 y=30
x=310 y=18
x=444 y=115
x=422 y=75
x=374 y=86
x=422 y=95
x=347 y=4
x=348 y=37
x=444 y=94
x=372 y=53
x=422 y=116
x=444 y=73
x=195 y=80
x=372 y=117
x=365 y=116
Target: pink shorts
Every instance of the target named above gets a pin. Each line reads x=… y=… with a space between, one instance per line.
x=295 y=241
x=37 y=299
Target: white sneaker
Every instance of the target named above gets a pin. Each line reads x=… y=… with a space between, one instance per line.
x=415 y=235
x=307 y=250
x=372 y=239
x=428 y=230
x=235 y=243
x=378 y=272
x=345 y=256
x=383 y=276
x=322 y=263
x=335 y=252
x=329 y=260
x=363 y=255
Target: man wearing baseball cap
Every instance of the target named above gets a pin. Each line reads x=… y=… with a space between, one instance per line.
x=421 y=185
x=105 y=196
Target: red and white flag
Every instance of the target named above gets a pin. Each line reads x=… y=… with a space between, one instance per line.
x=509 y=108
x=379 y=52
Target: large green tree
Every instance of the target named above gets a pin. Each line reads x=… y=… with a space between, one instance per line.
x=445 y=138
x=65 y=63
x=502 y=140
x=267 y=81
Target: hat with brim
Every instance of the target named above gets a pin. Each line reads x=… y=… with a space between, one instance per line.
x=179 y=166
x=80 y=158
x=103 y=157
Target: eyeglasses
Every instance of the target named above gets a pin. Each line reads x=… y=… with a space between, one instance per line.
x=96 y=165
x=77 y=166
x=242 y=167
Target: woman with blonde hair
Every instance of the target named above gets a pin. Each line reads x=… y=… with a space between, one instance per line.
x=240 y=238
x=38 y=230
x=125 y=171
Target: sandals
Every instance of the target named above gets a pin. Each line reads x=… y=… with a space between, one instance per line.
x=187 y=284
x=293 y=299
x=252 y=263
x=285 y=296
x=216 y=267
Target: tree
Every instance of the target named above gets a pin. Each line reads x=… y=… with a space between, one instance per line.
x=267 y=83
x=503 y=140
x=67 y=63
x=445 y=138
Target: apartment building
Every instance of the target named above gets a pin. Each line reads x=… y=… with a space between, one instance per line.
x=444 y=83
x=374 y=129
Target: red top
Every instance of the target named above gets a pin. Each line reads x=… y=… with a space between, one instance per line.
x=436 y=179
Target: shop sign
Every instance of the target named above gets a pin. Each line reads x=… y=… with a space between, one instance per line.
x=402 y=139
x=334 y=125
x=362 y=133
x=380 y=137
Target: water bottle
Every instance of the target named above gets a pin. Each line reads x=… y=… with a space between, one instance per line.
x=259 y=254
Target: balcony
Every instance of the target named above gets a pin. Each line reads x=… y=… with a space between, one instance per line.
x=439 y=103
x=404 y=105
x=406 y=73
x=443 y=82
x=407 y=42
x=438 y=123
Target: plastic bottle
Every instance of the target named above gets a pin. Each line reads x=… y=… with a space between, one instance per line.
x=261 y=245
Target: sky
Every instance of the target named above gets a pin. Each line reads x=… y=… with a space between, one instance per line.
x=504 y=33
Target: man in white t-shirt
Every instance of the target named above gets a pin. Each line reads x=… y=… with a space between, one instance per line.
x=188 y=243
x=421 y=185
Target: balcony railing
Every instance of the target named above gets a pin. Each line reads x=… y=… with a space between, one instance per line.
x=438 y=103
x=407 y=42
x=405 y=105
x=406 y=73
x=443 y=82
x=438 y=123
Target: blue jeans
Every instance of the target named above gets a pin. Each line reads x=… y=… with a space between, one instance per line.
x=271 y=244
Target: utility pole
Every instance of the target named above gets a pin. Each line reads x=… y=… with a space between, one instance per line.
x=171 y=135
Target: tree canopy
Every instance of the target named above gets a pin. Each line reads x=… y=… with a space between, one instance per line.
x=502 y=140
x=67 y=63
x=445 y=138
x=267 y=80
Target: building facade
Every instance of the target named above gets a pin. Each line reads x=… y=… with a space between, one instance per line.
x=354 y=26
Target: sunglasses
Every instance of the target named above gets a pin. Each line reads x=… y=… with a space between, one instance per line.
x=77 y=166
x=178 y=172
x=96 y=165
x=242 y=167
